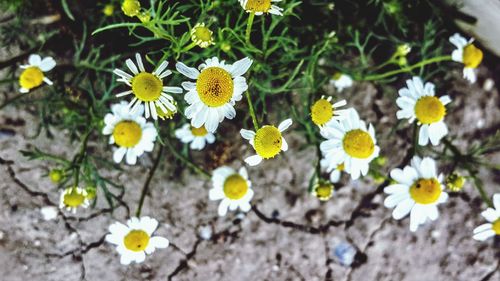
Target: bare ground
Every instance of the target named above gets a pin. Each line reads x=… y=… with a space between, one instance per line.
x=289 y=235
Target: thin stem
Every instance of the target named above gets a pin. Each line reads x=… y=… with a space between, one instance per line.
x=249 y=27
x=477 y=182
x=145 y=188
x=77 y=160
x=406 y=69
x=186 y=161
x=188 y=47
x=252 y=112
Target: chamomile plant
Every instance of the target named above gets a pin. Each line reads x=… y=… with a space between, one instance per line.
x=141 y=84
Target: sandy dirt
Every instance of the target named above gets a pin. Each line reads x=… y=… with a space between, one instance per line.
x=289 y=235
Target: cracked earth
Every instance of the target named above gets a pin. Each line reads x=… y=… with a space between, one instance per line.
x=288 y=234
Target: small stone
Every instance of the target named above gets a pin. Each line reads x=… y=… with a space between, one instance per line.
x=345 y=253
x=48 y=212
x=205 y=232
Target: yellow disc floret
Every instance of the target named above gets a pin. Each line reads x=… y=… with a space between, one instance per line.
x=472 y=56
x=108 y=10
x=131 y=8
x=199 y=132
x=258 y=6
x=136 y=240
x=146 y=86
x=341 y=167
x=127 y=133
x=323 y=191
x=235 y=187
x=201 y=35
x=169 y=114
x=31 y=77
x=429 y=109
x=321 y=112
x=73 y=198
x=425 y=191
x=496 y=227
x=358 y=144
x=215 y=86
x=268 y=142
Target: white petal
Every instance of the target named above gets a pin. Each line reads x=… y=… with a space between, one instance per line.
x=253 y=160
x=35 y=60
x=483 y=227
x=47 y=64
x=159 y=242
x=223 y=206
x=240 y=67
x=247 y=134
x=403 y=208
x=118 y=154
x=284 y=144
x=490 y=215
x=285 y=125
x=481 y=236
x=187 y=71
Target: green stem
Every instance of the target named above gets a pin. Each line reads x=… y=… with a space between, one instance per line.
x=252 y=112
x=406 y=69
x=188 y=47
x=78 y=159
x=249 y=27
x=145 y=188
x=186 y=161
x=477 y=182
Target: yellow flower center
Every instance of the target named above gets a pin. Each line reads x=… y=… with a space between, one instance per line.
x=321 y=112
x=136 y=240
x=108 y=10
x=268 y=142
x=56 y=175
x=336 y=76
x=358 y=144
x=425 y=191
x=31 y=77
x=146 y=86
x=127 y=133
x=341 y=167
x=235 y=187
x=258 y=6
x=214 y=86
x=324 y=191
x=73 y=199
x=472 y=56
x=429 y=110
x=496 y=227
x=131 y=8
x=203 y=34
x=165 y=115
x=199 y=132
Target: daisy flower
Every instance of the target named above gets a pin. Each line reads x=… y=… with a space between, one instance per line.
x=259 y=7
x=130 y=131
x=202 y=36
x=418 y=191
x=233 y=188
x=198 y=137
x=32 y=75
x=341 y=81
x=323 y=190
x=134 y=240
x=267 y=141
x=131 y=8
x=217 y=88
x=147 y=87
x=467 y=54
x=350 y=143
x=417 y=101
x=72 y=198
x=323 y=111
x=335 y=171
x=492 y=215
